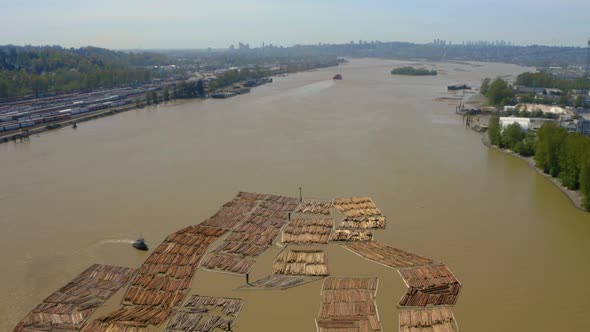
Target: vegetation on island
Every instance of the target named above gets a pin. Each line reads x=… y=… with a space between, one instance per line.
x=40 y=69
x=562 y=155
x=414 y=71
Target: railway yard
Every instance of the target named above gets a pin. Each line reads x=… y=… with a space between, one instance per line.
x=158 y=293
x=44 y=112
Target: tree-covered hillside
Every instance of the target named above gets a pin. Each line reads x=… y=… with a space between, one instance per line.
x=40 y=69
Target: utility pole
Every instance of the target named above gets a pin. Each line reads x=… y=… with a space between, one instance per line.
x=300 y=195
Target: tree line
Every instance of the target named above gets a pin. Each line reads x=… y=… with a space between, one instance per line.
x=561 y=154
x=500 y=93
x=41 y=69
x=182 y=90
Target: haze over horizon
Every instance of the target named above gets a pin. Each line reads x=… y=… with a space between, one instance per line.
x=150 y=24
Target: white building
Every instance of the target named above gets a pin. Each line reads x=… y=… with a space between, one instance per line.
x=523 y=122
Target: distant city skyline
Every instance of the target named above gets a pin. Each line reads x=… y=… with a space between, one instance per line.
x=151 y=24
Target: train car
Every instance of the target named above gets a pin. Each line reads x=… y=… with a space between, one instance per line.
x=26 y=124
x=11 y=126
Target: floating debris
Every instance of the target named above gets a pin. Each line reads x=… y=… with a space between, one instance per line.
x=70 y=306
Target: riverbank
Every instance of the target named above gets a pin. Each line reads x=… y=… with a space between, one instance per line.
x=574 y=196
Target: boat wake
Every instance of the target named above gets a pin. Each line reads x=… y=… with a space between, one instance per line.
x=114 y=241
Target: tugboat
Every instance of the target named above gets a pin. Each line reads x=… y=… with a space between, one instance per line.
x=458 y=87
x=139 y=244
x=337 y=77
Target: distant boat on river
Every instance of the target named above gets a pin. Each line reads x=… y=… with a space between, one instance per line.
x=458 y=87
x=337 y=77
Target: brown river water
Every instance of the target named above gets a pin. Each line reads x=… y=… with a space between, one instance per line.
x=70 y=198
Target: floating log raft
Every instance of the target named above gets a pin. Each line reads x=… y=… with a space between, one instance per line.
x=70 y=306
x=253 y=236
x=204 y=314
x=351 y=235
x=301 y=262
x=435 y=319
x=348 y=304
x=359 y=212
x=430 y=285
x=387 y=255
x=315 y=207
x=139 y=315
x=235 y=211
x=97 y=326
x=308 y=231
x=279 y=281
x=165 y=277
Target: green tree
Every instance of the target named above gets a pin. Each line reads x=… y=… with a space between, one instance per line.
x=155 y=99
x=550 y=138
x=485 y=86
x=575 y=150
x=499 y=93
x=494 y=130
x=166 y=95
x=585 y=183
x=39 y=84
x=148 y=98
x=526 y=148
x=201 y=89
x=512 y=135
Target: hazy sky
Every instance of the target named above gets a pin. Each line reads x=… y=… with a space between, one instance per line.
x=197 y=24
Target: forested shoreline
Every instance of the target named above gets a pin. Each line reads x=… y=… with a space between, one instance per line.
x=41 y=69
x=562 y=155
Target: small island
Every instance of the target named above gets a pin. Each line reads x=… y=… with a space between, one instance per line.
x=414 y=71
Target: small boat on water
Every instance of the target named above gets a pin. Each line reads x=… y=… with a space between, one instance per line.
x=337 y=77
x=458 y=87
x=140 y=244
